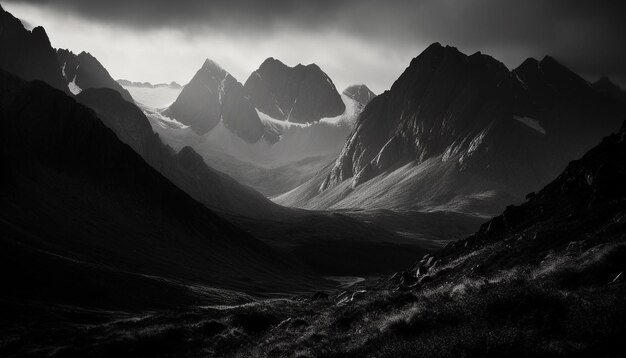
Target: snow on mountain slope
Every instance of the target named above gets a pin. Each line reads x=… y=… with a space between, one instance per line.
x=74 y=87
x=84 y=71
x=457 y=129
x=316 y=143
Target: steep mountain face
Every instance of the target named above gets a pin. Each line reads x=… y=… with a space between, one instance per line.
x=28 y=54
x=359 y=93
x=84 y=71
x=84 y=218
x=300 y=94
x=212 y=97
x=186 y=168
x=464 y=132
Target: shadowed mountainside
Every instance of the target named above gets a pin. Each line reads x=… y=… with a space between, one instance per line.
x=84 y=71
x=28 y=54
x=186 y=169
x=543 y=279
x=75 y=199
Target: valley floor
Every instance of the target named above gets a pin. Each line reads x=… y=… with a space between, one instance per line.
x=521 y=313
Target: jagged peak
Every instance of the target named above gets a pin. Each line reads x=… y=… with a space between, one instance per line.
x=65 y=51
x=528 y=63
x=549 y=59
x=488 y=60
x=549 y=62
x=211 y=65
x=271 y=61
x=435 y=46
x=40 y=33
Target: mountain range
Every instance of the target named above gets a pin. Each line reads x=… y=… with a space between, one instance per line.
x=462 y=133
x=212 y=188
x=128 y=83
x=233 y=128
x=469 y=210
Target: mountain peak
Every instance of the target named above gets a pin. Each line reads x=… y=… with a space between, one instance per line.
x=529 y=63
x=606 y=82
x=610 y=89
x=435 y=46
x=28 y=54
x=360 y=93
x=40 y=34
x=300 y=94
x=271 y=62
x=211 y=66
x=213 y=96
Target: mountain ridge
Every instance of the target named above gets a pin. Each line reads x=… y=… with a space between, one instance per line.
x=451 y=110
x=300 y=94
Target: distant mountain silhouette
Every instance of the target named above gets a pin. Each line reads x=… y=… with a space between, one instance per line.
x=28 y=54
x=300 y=94
x=458 y=132
x=84 y=71
x=608 y=88
x=128 y=83
x=359 y=93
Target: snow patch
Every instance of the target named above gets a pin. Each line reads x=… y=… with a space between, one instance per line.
x=273 y=122
x=72 y=85
x=157 y=118
x=532 y=123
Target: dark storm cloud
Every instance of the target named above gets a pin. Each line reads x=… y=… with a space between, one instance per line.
x=586 y=35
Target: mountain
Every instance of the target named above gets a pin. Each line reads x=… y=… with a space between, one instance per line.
x=127 y=83
x=84 y=220
x=228 y=135
x=543 y=279
x=186 y=169
x=462 y=133
x=605 y=86
x=28 y=54
x=300 y=94
x=84 y=71
x=213 y=97
x=359 y=93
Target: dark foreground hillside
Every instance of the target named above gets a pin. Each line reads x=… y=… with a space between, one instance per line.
x=85 y=221
x=542 y=279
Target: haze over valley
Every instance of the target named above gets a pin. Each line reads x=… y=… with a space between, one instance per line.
x=192 y=180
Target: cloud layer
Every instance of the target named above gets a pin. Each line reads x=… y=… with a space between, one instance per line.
x=367 y=34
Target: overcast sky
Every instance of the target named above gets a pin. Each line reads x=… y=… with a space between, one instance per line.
x=354 y=41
